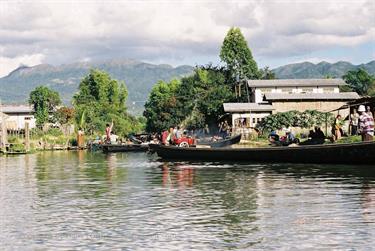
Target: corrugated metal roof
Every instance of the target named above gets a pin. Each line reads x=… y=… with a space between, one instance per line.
x=246 y=107
x=16 y=109
x=295 y=82
x=312 y=96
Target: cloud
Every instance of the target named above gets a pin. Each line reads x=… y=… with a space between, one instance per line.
x=177 y=32
x=11 y=63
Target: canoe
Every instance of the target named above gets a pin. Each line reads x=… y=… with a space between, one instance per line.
x=356 y=153
x=223 y=143
x=109 y=148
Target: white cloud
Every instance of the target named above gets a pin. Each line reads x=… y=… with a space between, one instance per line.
x=178 y=31
x=9 y=64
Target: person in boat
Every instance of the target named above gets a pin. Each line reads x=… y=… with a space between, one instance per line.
x=178 y=132
x=354 y=117
x=164 y=136
x=369 y=112
x=290 y=138
x=273 y=137
x=113 y=138
x=316 y=137
x=366 y=124
x=171 y=136
x=336 y=127
x=108 y=131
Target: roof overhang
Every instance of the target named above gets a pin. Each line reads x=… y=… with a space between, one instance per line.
x=334 y=82
x=247 y=107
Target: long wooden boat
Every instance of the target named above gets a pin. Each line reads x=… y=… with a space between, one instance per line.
x=223 y=143
x=356 y=153
x=109 y=148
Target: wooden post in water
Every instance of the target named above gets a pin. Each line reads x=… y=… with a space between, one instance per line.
x=27 y=137
x=4 y=136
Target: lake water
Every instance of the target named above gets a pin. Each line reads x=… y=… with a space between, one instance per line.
x=133 y=201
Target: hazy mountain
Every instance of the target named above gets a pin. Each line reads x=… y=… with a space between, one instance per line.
x=139 y=78
x=320 y=70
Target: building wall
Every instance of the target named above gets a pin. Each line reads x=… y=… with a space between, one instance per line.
x=323 y=106
x=17 y=121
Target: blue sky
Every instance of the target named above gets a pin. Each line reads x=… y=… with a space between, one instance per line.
x=184 y=32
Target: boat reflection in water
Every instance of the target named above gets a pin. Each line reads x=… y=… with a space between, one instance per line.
x=182 y=176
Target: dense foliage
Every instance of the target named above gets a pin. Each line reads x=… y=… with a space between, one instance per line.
x=160 y=109
x=44 y=100
x=360 y=81
x=193 y=102
x=100 y=100
x=306 y=119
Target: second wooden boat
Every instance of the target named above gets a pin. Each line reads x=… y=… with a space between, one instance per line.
x=111 y=148
x=223 y=143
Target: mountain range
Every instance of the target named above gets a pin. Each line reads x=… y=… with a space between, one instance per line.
x=139 y=77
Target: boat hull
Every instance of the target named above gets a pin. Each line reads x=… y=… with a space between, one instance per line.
x=357 y=153
x=108 y=148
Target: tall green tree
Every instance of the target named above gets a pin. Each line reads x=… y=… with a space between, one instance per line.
x=360 y=81
x=44 y=100
x=100 y=100
x=237 y=56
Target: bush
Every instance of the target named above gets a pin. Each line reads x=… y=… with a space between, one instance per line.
x=306 y=119
x=54 y=132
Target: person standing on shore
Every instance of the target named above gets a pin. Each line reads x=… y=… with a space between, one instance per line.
x=366 y=124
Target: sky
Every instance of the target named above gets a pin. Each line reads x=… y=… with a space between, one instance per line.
x=184 y=32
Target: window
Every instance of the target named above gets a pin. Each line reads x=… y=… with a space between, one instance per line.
x=328 y=90
x=265 y=90
x=307 y=90
x=287 y=90
x=28 y=118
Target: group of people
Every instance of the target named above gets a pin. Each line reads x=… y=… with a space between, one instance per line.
x=361 y=123
x=286 y=140
x=224 y=129
x=169 y=136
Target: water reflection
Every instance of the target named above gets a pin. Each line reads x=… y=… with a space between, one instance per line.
x=82 y=200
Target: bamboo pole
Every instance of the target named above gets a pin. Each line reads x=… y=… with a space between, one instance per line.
x=27 y=137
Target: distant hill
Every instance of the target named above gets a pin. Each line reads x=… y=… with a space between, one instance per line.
x=139 y=78
x=320 y=70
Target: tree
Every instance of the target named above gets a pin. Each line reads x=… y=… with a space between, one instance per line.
x=44 y=100
x=237 y=56
x=360 y=81
x=64 y=115
x=193 y=102
x=160 y=109
x=266 y=73
x=100 y=100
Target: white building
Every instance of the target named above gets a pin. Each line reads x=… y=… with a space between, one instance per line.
x=281 y=95
x=15 y=116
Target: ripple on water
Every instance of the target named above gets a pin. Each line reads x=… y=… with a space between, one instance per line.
x=81 y=201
